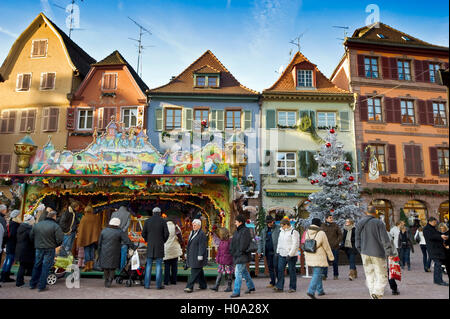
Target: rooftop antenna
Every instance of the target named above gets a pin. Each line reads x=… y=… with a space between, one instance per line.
x=142 y=31
x=296 y=42
x=345 y=31
x=70 y=9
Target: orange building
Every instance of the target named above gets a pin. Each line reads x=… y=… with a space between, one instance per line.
x=402 y=114
x=111 y=89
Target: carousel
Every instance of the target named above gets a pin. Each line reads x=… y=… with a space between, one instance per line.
x=122 y=168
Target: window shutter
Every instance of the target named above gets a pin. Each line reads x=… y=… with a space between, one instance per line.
x=19 y=81
x=365 y=157
x=188 y=119
x=360 y=61
x=35 y=50
x=270 y=119
x=50 y=84
x=397 y=110
x=213 y=120
x=389 y=109
x=11 y=121
x=100 y=117
x=53 y=119
x=46 y=116
x=430 y=114
x=247 y=120
x=41 y=47
x=422 y=112
x=70 y=124
x=26 y=82
x=409 y=161
x=426 y=71
x=394 y=70
x=392 y=159
x=363 y=111
x=23 y=121
x=4 y=122
x=344 y=121
x=220 y=120
x=5 y=163
x=434 y=161
x=385 y=68
x=418 y=159
x=418 y=71
x=159 y=120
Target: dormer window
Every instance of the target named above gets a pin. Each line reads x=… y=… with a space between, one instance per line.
x=406 y=38
x=305 y=78
x=381 y=36
x=206 y=80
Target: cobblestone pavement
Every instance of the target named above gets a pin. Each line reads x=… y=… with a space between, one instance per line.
x=415 y=284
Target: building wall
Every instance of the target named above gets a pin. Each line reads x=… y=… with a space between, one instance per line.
x=56 y=61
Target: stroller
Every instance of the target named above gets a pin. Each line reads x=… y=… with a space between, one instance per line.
x=61 y=266
x=132 y=276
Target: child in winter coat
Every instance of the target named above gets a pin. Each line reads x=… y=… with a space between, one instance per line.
x=224 y=259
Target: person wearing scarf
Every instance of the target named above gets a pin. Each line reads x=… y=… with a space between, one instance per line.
x=348 y=246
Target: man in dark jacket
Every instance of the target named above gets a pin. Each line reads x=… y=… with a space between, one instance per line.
x=69 y=224
x=11 y=242
x=46 y=235
x=155 y=233
x=334 y=235
x=239 y=246
x=125 y=218
x=196 y=256
x=267 y=247
x=25 y=251
x=435 y=248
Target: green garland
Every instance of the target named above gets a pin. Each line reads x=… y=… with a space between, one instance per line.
x=402 y=191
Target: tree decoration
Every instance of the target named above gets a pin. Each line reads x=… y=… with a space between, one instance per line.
x=328 y=144
x=347 y=168
x=351 y=178
x=324 y=174
x=332 y=131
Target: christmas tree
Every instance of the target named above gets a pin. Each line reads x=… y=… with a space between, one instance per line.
x=339 y=195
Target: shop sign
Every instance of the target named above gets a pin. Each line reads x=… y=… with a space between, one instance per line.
x=409 y=180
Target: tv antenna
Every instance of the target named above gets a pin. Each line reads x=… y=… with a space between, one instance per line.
x=70 y=8
x=296 y=41
x=142 y=31
x=345 y=31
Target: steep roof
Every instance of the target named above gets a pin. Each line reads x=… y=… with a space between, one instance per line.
x=390 y=36
x=116 y=58
x=80 y=60
x=207 y=63
x=286 y=81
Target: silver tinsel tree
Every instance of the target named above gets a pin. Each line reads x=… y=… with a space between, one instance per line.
x=340 y=192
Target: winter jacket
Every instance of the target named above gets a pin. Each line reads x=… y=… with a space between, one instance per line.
x=109 y=244
x=288 y=242
x=406 y=238
x=394 y=232
x=334 y=234
x=196 y=251
x=2 y=231
x=223 y=256
x=240 y=244
x=124 y=215
x=262 y=241
x=68 y=221
x=155 y=233
x=323 y=250
x=12 y=237
x=25 y=251
x=47 y=234
x=5 y=233
x=371 y=238
x=89 y=229
x=435 y=243
x=352 y=250
x=172 y=248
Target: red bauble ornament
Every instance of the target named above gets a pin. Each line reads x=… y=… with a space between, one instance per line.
x=339 y=176
x=340 y=183
x=313 y=182
x=316 y=181
x=332 y=131
x=347 y=168
x=351 y=178
x=328 y=145
x=332 y=210
x=324 y=174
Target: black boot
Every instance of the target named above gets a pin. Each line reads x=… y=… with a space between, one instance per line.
x=218 y=280
x=229 y=283
x=6 y=277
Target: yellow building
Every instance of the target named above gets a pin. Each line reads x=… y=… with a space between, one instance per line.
x=37 y=79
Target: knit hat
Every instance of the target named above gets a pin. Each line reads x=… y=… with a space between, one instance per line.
x=316 y=221
x=269 y=219
x=14 y=213
x=156 y=210
x=114 y=221
x=28 y=218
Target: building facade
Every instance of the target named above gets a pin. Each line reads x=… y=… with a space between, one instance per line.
x=37 y=81
x=206 y=104
x=402 y=117
x=111 y=90
x=298 y=111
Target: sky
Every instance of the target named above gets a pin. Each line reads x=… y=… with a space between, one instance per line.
x=250 y=37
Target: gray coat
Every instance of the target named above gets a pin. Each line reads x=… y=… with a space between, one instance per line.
x=124 y=215
x=109 y=244
x=47 y=234
x=197 y=247
x=262 y=241
x=372 y=239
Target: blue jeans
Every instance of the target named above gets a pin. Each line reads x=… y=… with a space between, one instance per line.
x=148 y=272
x=89 y=252
x=123 y=256
x=437 y=275
x=291 y=261
x=351 y=258
x=316 y=281
x=242 y=272
x=67 y=244
x=272 y=264
x=426 y=257
x=404 y=254
x=44 y=260
x=7 y=264
x=335 y=264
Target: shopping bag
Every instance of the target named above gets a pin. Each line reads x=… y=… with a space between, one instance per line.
x=135 y=261
x=395 y=272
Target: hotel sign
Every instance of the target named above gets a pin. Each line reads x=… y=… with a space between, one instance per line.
x=409 y=180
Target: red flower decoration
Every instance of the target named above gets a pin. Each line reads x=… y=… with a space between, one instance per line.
x=324 y=174
x=351 y=178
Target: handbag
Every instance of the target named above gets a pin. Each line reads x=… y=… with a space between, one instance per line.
x=135 y=261
x=395 y=272
x=310 y=245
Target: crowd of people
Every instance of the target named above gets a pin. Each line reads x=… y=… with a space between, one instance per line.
x=34 y=242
